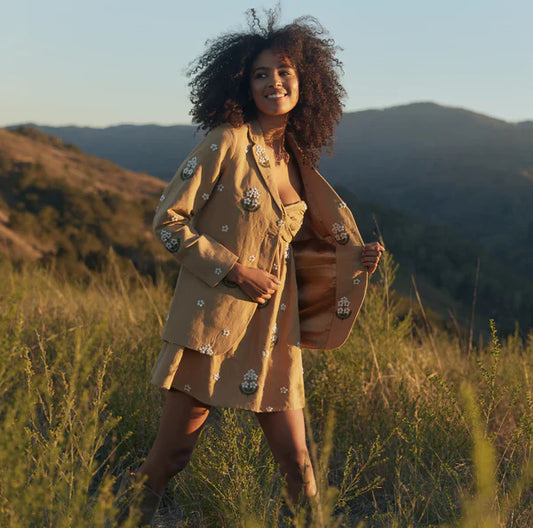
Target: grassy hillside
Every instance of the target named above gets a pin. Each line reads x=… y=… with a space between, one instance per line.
x=61 y=206
x=411 y=427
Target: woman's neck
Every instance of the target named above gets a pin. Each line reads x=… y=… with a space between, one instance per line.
x=273 y=128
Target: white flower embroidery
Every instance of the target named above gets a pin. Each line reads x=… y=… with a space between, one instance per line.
x=275 y=267
x=220 y=187
x=298 y=344
x=200 y=302
x=162 y=198
x=283 y=390
x=218 y=271
x=356 y=280
x=282 y=307
x=274 y=336
x=205 y=196
x=340 y=233
x=251 y=258
x=286 y=254
x=342 y=205
x=206 y=349
x=175 y=218
x=216 y=376
x=280 y=222
x=262 y=158
x=187 y=388
x=225 y=228
x=250 y=202
x=265 y=353
x=188 y=171
x=269 y=409
x=225 y=332
x=172 y=245
x=343 y=308
x=165 y=235
x=213 y=147
x=249 y=385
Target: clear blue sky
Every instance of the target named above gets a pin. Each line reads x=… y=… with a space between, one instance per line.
x=99 y=63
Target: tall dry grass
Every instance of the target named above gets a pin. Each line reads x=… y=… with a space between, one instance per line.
x=407 y=427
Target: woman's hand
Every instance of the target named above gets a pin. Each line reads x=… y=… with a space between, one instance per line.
x=371 y=255
x=258 y=284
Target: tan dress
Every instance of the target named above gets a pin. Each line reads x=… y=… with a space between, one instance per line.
x=263 y=371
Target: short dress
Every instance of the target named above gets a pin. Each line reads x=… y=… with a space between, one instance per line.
x=263 y=371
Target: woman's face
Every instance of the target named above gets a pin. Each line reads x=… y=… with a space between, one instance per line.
x=274 y=84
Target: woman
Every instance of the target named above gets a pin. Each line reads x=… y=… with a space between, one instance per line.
x=271 y=258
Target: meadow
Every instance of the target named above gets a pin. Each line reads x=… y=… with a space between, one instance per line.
x=410 y=425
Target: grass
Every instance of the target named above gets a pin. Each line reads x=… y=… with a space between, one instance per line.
x=407 y=427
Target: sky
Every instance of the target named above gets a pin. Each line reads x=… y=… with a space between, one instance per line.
x=107 y=62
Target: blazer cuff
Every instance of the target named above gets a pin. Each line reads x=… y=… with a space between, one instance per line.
x=209 y=260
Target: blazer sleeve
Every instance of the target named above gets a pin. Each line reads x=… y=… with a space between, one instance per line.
x=184 y=197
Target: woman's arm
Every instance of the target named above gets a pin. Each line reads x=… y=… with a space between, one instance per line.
x=185 y=196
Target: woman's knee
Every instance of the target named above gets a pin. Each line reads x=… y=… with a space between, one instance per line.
x=295 y=462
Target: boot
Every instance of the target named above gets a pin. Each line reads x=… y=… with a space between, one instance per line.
x=143 y=497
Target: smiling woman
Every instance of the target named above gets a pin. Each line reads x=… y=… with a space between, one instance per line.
x=271 y=257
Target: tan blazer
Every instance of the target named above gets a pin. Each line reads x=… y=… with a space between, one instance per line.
x=222 y=206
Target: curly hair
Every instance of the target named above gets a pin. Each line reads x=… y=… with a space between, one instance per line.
x=220 y=79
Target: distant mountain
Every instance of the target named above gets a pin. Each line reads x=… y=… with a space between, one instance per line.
x=448 y=186
x=59 y=204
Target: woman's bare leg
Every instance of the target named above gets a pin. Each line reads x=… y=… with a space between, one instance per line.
x=285 y=433
x=181 y=423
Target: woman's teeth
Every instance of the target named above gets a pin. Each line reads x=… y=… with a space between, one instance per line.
x=275 y=96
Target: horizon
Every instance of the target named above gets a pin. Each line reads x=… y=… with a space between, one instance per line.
x=112 y=125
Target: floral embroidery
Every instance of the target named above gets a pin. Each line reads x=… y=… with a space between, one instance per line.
x=220 y=187
x=225 y=332
x=200 y=302
x=342 y=205
x=218 y=271
x=162 y=198
x=298 y=344
x=341 y=236
x=250 y=202
x=175 y=218
x=205 y=196
x=173 y=245
x=283 y=390
x=187 y=388
x=225 y=228
x=356 y=280
x=165 y=235
x=265 y=353
x=251 y=258
x=269 y=409
x=213 y=147
x=249 y=385
x=274 y=337
x=206 y=349
x=189 y=169
x=286 y=254
x=343 y=308
x=216 y=376
x=282 y=307
x=280 y=222
x=262 y=158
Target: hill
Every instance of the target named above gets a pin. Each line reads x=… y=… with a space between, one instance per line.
x=59 y=204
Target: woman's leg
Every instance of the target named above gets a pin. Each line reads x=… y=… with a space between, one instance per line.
x=181 y=423
x=285 y=433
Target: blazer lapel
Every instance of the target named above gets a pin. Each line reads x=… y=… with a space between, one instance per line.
x=262 y=160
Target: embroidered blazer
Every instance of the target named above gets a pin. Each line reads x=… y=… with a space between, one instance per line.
x=222 y=206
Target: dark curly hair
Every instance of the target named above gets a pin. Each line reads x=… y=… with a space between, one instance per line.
x=220 y=84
